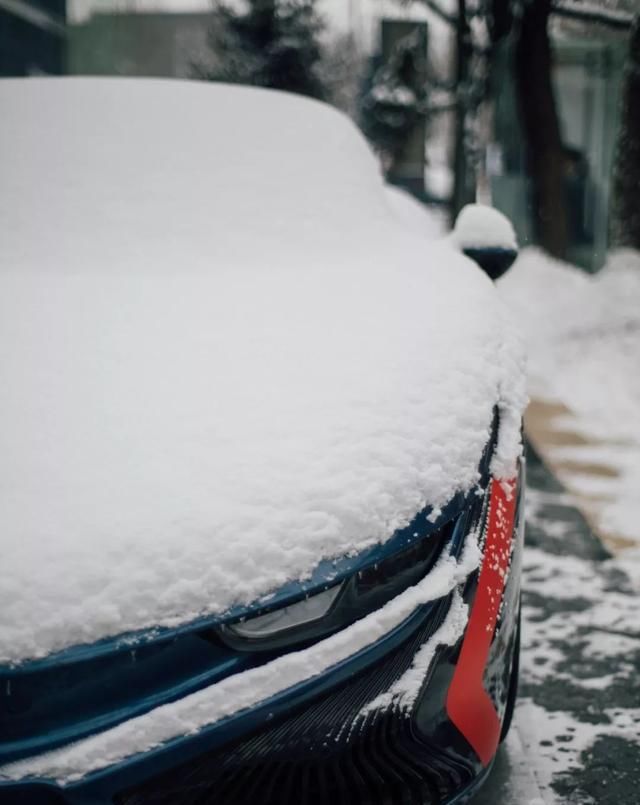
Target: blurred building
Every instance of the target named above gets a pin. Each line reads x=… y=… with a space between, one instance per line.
x=160 y=44
x=587 y=80
x=32 y=37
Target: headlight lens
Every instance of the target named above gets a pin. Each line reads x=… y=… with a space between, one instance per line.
x=324 y=613
x=302 y=613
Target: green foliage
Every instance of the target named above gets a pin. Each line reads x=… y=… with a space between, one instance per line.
x=268 y=43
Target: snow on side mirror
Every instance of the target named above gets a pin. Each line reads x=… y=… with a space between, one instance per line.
x=487 y=237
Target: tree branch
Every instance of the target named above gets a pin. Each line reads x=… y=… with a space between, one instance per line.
x=436 y=8
x=587 y=12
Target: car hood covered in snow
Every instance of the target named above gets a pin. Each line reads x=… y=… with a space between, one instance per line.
x=223 y=358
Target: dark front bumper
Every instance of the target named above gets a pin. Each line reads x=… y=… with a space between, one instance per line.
x=327 y=752
x=313 y=745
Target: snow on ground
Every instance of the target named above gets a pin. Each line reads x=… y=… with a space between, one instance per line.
x=583 y=336
x=223 y=357
x=577 y=715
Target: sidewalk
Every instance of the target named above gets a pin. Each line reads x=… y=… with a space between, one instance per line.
x=580 y=462
x=583 y=340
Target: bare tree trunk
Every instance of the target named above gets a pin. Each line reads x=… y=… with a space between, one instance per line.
x=541 y=128
x=500 y=19
x=463 y=188
x=625 y=219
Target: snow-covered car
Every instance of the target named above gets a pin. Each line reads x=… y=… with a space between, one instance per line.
x=260 y=438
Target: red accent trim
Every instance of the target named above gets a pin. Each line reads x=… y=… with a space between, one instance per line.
x=469 y=706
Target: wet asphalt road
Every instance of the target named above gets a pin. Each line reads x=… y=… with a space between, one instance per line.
x=576 y=733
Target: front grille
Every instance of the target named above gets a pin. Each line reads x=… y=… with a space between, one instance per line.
x=326 y=753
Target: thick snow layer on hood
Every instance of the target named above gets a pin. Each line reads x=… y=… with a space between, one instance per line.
x=223 y=358
x=421 y=220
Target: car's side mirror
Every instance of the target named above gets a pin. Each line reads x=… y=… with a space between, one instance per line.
x=487 y=237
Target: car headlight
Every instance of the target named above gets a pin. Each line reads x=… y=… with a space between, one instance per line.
x=320 y=614
x=293 y=616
